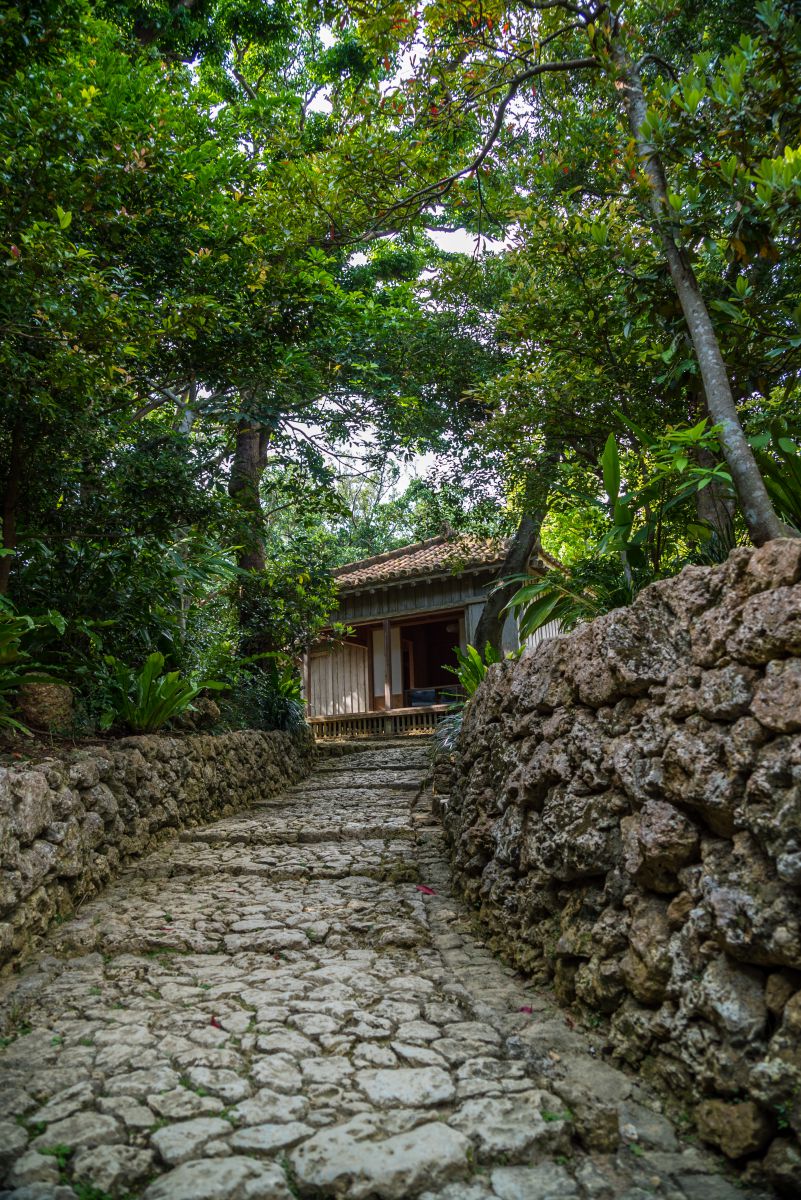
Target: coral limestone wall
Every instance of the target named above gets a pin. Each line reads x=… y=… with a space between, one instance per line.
x=68 y=824
x=625 y=809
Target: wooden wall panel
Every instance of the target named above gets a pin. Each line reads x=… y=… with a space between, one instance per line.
x=552 y=629
x=378 y=667
x=339 y=684
x=510 y=639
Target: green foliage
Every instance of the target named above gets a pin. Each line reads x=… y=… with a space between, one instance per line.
x=647 y=533
x=371 y=517
x=591 y=587
x=470 y=671
x=61 y=1153
x=147 y=699
x=146 y=590
x=17 y=665
x=265 y=694
x=195 y=248
x=471 y=668
x=779 y=459
x=172 y=274
x=13 y=666
x=87 y=1191
x=590 y=318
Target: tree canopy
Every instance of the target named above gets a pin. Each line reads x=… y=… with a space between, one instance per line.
x=226 y=310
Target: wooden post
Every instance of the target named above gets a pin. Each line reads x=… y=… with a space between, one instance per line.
x=306 y=677
x=409 y=644
x=387 y=666
x=370 y=671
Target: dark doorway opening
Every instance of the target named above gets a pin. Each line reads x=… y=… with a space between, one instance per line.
x=428 y=650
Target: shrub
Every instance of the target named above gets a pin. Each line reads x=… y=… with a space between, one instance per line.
x=146 y=700
x=16 y=665
x=265 y=696
x=470 y=670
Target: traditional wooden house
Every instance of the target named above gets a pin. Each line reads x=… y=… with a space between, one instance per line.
x=406 y=612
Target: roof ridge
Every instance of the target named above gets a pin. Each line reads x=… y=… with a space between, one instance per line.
x=447 y=553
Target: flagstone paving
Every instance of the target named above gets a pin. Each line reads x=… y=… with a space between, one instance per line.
x=291 y=1003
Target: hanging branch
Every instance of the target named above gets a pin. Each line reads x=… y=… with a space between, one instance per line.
x=442 y=186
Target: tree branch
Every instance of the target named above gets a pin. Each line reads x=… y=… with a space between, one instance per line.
x=442 y=186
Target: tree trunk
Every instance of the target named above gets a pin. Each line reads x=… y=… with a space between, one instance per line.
x=714 y=504
x=11 y=504
x=250 y=459
x=491 y=624
x=489 y=630
x=762 y=522
x=184 y=421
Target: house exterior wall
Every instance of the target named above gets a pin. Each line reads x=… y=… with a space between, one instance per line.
x=509 y=639
x=338 y=681
x=354 y=681
x=378 y=667
x=407 y=598
x=472 y=616
x=551 y=630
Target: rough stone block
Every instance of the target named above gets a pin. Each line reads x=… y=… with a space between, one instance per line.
x=736 y=1129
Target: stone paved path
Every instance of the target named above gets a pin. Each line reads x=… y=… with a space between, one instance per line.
x=273 y=1007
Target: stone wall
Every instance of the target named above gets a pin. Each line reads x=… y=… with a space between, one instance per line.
x=68 y=824
x=625 y=810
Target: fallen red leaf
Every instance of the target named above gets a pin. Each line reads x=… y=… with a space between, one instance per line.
x=427 y=891
x=526 y=1008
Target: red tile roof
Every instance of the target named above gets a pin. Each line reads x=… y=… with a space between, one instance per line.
x=445 y=555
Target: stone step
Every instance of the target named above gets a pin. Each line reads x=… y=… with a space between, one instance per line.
x=347 y=767
x=329 y=789
x=277 y=837
x=377 y=858
x=355 y=783
x=237 y=913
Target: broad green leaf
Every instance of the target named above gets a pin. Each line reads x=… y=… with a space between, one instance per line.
x=610 y=464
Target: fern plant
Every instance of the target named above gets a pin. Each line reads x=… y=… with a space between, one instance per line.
x=264 y=692
x=146 y=700
x=632 y=551
x=271 y=697
x=593 y=586
x=470 y=670
x=781 y=471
